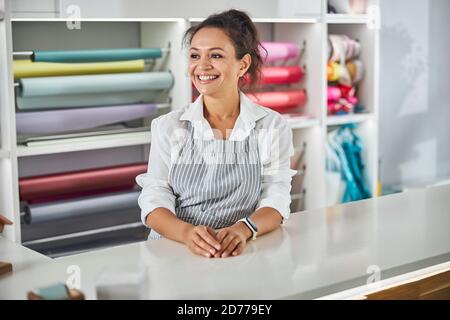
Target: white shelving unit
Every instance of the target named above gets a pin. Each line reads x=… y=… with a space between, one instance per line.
x=310 y=129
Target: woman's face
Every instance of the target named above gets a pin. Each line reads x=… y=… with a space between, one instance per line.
x=213 y=66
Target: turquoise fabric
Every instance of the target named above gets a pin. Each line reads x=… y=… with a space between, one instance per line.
x=345 y=156
x=97 y=55
x=97 y=83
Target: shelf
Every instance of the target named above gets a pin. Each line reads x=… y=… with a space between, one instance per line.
x=4 y=154
x=346 y=119
x=301 y=122
x=85 y=143
x=98 y=19
x=348 y=18
x=273 y=20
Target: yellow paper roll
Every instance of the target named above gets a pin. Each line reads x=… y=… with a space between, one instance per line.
x=28 y=69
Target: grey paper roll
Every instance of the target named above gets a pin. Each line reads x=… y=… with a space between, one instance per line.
x=86 y=100
x=40 y=213
x=98 y=83
x=45 y=122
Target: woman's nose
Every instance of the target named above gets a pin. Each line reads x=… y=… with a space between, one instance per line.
x=204 y=64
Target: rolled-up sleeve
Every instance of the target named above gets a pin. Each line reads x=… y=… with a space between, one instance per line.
x=156 y=191
x=277 y=174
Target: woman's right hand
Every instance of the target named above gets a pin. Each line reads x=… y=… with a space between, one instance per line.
x=202 y=241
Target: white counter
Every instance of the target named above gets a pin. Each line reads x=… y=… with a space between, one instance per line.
x=316 y=253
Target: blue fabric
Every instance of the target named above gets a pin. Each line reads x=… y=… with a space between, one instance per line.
x=345 y=155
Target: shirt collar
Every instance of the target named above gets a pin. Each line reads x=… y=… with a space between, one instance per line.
x=250 y=112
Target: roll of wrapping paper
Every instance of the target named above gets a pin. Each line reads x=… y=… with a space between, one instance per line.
x=53 y=121
x=333 y=93
x=28 y=69
x=86 y=100
x=356 y=70
x=39 y=213
x=281 y=75
x=102 y=83
x=279 y=100
x=32 y=188
x=279 y=51
x=333 y=71
x=80 y=194
x=96 y=55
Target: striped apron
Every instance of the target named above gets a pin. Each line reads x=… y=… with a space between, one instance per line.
x=216 y=182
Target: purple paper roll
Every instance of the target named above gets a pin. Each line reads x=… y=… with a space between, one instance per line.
x=279 y=51
x=44 y=122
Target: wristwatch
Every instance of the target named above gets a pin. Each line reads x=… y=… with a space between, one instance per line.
x=251 y=225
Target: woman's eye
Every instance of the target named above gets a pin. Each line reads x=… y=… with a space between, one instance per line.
x=194 y=56
x=216 y=55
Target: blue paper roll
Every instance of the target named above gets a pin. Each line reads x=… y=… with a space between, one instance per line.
x=53 y=121
x=86 y=100
x=98 y=83
x=97 y=55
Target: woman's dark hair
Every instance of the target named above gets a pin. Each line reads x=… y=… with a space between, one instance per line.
x=238 y=26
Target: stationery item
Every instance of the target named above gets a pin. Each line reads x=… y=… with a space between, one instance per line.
x=356 y=70
x=32 y=188
x=333 y=71
x=91 y=84
x=279 y=51
x=41 y=213
x=28 y=69
x=86 y=100
x=5 y=267
x=57 y=291
x=281 y=75
x=53 y=121
x=96 y=55
x=279 y=100
x=333 y=93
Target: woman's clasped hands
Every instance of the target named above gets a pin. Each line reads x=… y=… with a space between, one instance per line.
x=221 y=243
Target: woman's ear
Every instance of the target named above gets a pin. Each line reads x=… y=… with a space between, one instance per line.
x=246 y=62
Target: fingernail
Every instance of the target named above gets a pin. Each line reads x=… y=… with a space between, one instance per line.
x=217 y=246
x=212 y=251
x=224 y=255
x=207 y=255
x=234 y=253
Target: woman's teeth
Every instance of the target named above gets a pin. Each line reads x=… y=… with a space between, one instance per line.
x=207 y=78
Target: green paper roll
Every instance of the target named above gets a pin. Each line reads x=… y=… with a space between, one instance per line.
x=85 y=100
x=97 y=55
x=98 y=83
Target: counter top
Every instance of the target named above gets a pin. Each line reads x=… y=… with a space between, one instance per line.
x=314 y=254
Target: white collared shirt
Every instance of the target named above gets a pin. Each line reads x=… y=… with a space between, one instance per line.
x=274 y=144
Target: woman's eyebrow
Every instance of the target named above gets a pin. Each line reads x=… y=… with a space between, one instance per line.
x=210 y=49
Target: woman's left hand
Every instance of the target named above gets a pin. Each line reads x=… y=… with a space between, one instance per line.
x=232 y=240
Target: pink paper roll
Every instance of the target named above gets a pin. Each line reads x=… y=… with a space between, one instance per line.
x=280 y=100
x=279 y=75
x=279 y=51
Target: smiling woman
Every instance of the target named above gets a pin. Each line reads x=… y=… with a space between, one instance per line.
x=219 y=171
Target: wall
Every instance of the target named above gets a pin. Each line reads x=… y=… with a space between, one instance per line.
x=414 y=130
